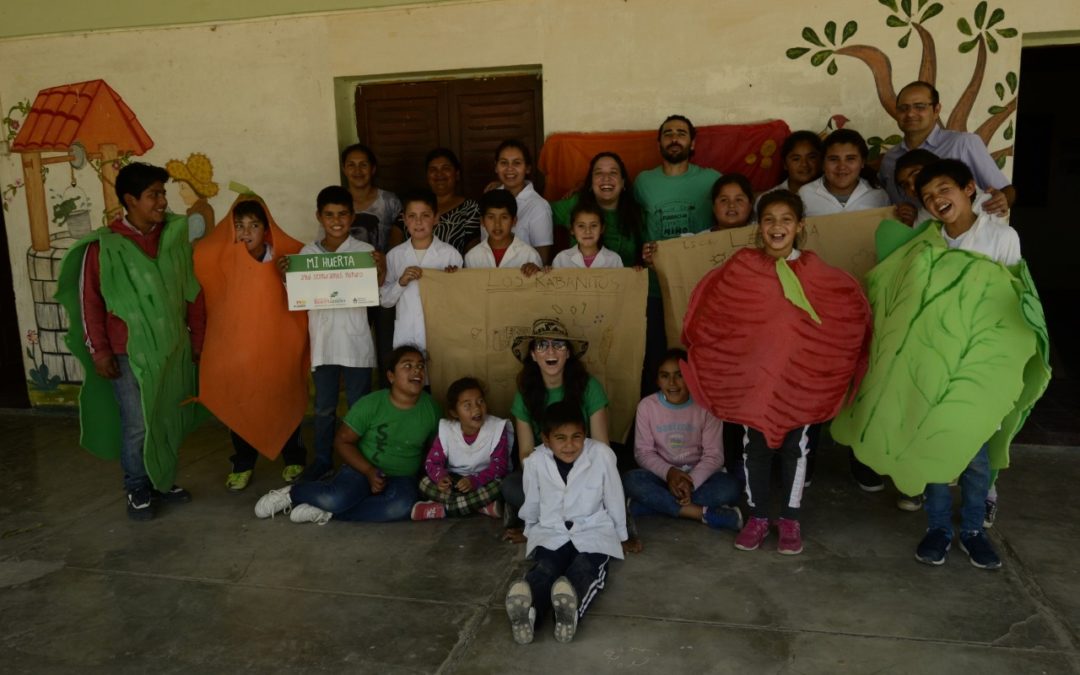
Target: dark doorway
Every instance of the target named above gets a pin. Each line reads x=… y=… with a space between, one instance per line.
x=12 y=378
x=1047 y=180
x=403 y=121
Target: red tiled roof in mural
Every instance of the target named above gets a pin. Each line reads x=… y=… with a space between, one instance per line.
x=88 y=112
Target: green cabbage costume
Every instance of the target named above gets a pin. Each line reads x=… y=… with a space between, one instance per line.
x=959 y=357
x=150 y=296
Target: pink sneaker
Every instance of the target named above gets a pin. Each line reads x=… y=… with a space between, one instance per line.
x=753 y=533
x=428 y=511
x=492 y=510
x=790 y=537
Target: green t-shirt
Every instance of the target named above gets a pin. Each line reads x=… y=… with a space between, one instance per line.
x=626 y=245
x=672 y=206
x=594 y=399
x=393 y=439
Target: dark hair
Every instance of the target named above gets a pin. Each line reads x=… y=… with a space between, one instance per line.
x=514 y=143
x=445 y=153
x=731 y=179
x=360 y=147
x=334 y=194
x=676 y=118
x=459 y=387
x=953 y=169
x=419 y=195
x=560 y=414
x=401 y=352
x=675 y=354
x=793 y=139
x=781 y=197
x=498 y=199
x=136 y=177
x=911 y=158
x=627 y=210
x=852 y=137
x=587 y=206
x=530 y=382
x=934 y=97
x=252 y=208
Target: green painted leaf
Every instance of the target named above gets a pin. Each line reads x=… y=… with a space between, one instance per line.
x=997 y=16
x=796 y=52
x=819 y=57
x=891 y=4
x=995 y=109
x=921 y=3
x=810 y=36
x=29 y=354
x=966 y=47
x=905 y=6
x=980 y=14
x=1008 y=131
x=894 y=21
x=1000 y=161
x=893 y=140
x=1006 y=32
x=991 y=43
x=875 y=152
x=832 y=67
x=849 y=29
x=904 y=40
x=932 y=11
x=1010 y=79
x=964 y=26
x=999 y=89
x=830 y=32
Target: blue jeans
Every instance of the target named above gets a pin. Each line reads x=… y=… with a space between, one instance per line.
x=651 y=491
x=327 y=377
x=348 y=496
x=974 y=486
x=132 y=427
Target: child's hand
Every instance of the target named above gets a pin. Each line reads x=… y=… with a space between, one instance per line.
x=906 y=213
x=444 y=484
x=107 y=368
x=463 y=485
x=998 y=204
x=529 y=269
x=680 y=485
x=647 y=252
x=632 y=545
x=283 y=264
x=380 y=266
x=410 y=274
x=451 y=268
x=638 y=268
x=514 y=535
x=377 y=481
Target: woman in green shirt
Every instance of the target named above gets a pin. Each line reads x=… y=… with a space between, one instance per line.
x=608 y=184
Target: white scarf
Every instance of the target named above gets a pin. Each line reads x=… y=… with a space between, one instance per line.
x=469 y=459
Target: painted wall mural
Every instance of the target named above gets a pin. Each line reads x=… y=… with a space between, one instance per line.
x=981 y=34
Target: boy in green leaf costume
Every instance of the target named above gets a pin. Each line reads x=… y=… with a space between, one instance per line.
x=126 y=289
x=959 y=358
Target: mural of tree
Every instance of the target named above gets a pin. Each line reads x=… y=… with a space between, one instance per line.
x=982 y=33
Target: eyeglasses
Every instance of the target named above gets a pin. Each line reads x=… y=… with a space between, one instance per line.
x=917 y=107
x=544 y=345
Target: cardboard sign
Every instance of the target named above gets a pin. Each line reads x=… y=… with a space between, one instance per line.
x=332 y=281
x=473 y=316
x=844 y=240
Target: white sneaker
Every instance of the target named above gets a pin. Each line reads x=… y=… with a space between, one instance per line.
x=273 y=502
x=564 y=602
x=306 y=513
x=521 y=612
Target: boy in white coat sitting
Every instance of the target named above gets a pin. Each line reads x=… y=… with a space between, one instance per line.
x=575 y=521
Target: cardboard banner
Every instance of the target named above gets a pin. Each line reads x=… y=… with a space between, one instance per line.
x=332 y=281
x=473 y=316
x=844 y=240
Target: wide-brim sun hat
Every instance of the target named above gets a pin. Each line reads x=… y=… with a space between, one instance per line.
x=197 y=171
x=547 y=329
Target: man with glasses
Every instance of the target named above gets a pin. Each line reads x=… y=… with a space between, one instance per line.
x=917 y=112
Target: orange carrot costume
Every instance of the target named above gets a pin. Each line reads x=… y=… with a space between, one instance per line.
x=254 y=370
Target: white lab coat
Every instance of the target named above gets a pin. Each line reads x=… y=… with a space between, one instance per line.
x=517 y=254
x=592 y=499
x=409 y=324
x=340 y=337
x=818 y=201
x=572 y=258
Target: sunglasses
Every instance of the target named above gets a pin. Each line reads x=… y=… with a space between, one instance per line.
x=544 y=345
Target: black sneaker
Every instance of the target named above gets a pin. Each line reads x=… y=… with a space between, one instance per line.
x=867 y=478
x=991 y=513
x=980 y=551
x=934 y=547
x=140 y=504
x=174 y=495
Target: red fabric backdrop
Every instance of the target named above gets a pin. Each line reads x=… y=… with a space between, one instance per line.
x=749 y=149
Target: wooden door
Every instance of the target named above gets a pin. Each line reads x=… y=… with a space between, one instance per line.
x=401 y=122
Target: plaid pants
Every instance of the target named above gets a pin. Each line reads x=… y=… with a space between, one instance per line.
x=461 y=503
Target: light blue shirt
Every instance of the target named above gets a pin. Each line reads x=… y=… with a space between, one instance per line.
x=968 y=148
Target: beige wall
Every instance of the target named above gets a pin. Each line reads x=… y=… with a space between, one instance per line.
x=258 y=96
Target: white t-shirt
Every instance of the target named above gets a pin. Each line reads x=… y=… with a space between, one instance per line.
x=990 y=236
x=820 y=202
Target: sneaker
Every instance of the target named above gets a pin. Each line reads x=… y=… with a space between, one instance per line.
x=237 y=481
x=564 y=603
x=292 y=472
x=306 y=513
x=980 y=551
x=140 y=504
x=174 y=495
x=906 y=503
x=274 y=502
x=493 y=510
x=520 y=609
x=428 y=511
x=867 y=478
x=934 y=546
x=722 y=518
x=991 y=513
x=790 y=542
x=752 y=534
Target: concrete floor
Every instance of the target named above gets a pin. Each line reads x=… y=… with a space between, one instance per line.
x=208 y=588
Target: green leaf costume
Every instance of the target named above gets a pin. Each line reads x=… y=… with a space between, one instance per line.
x=150 y=295
x=959 y=357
